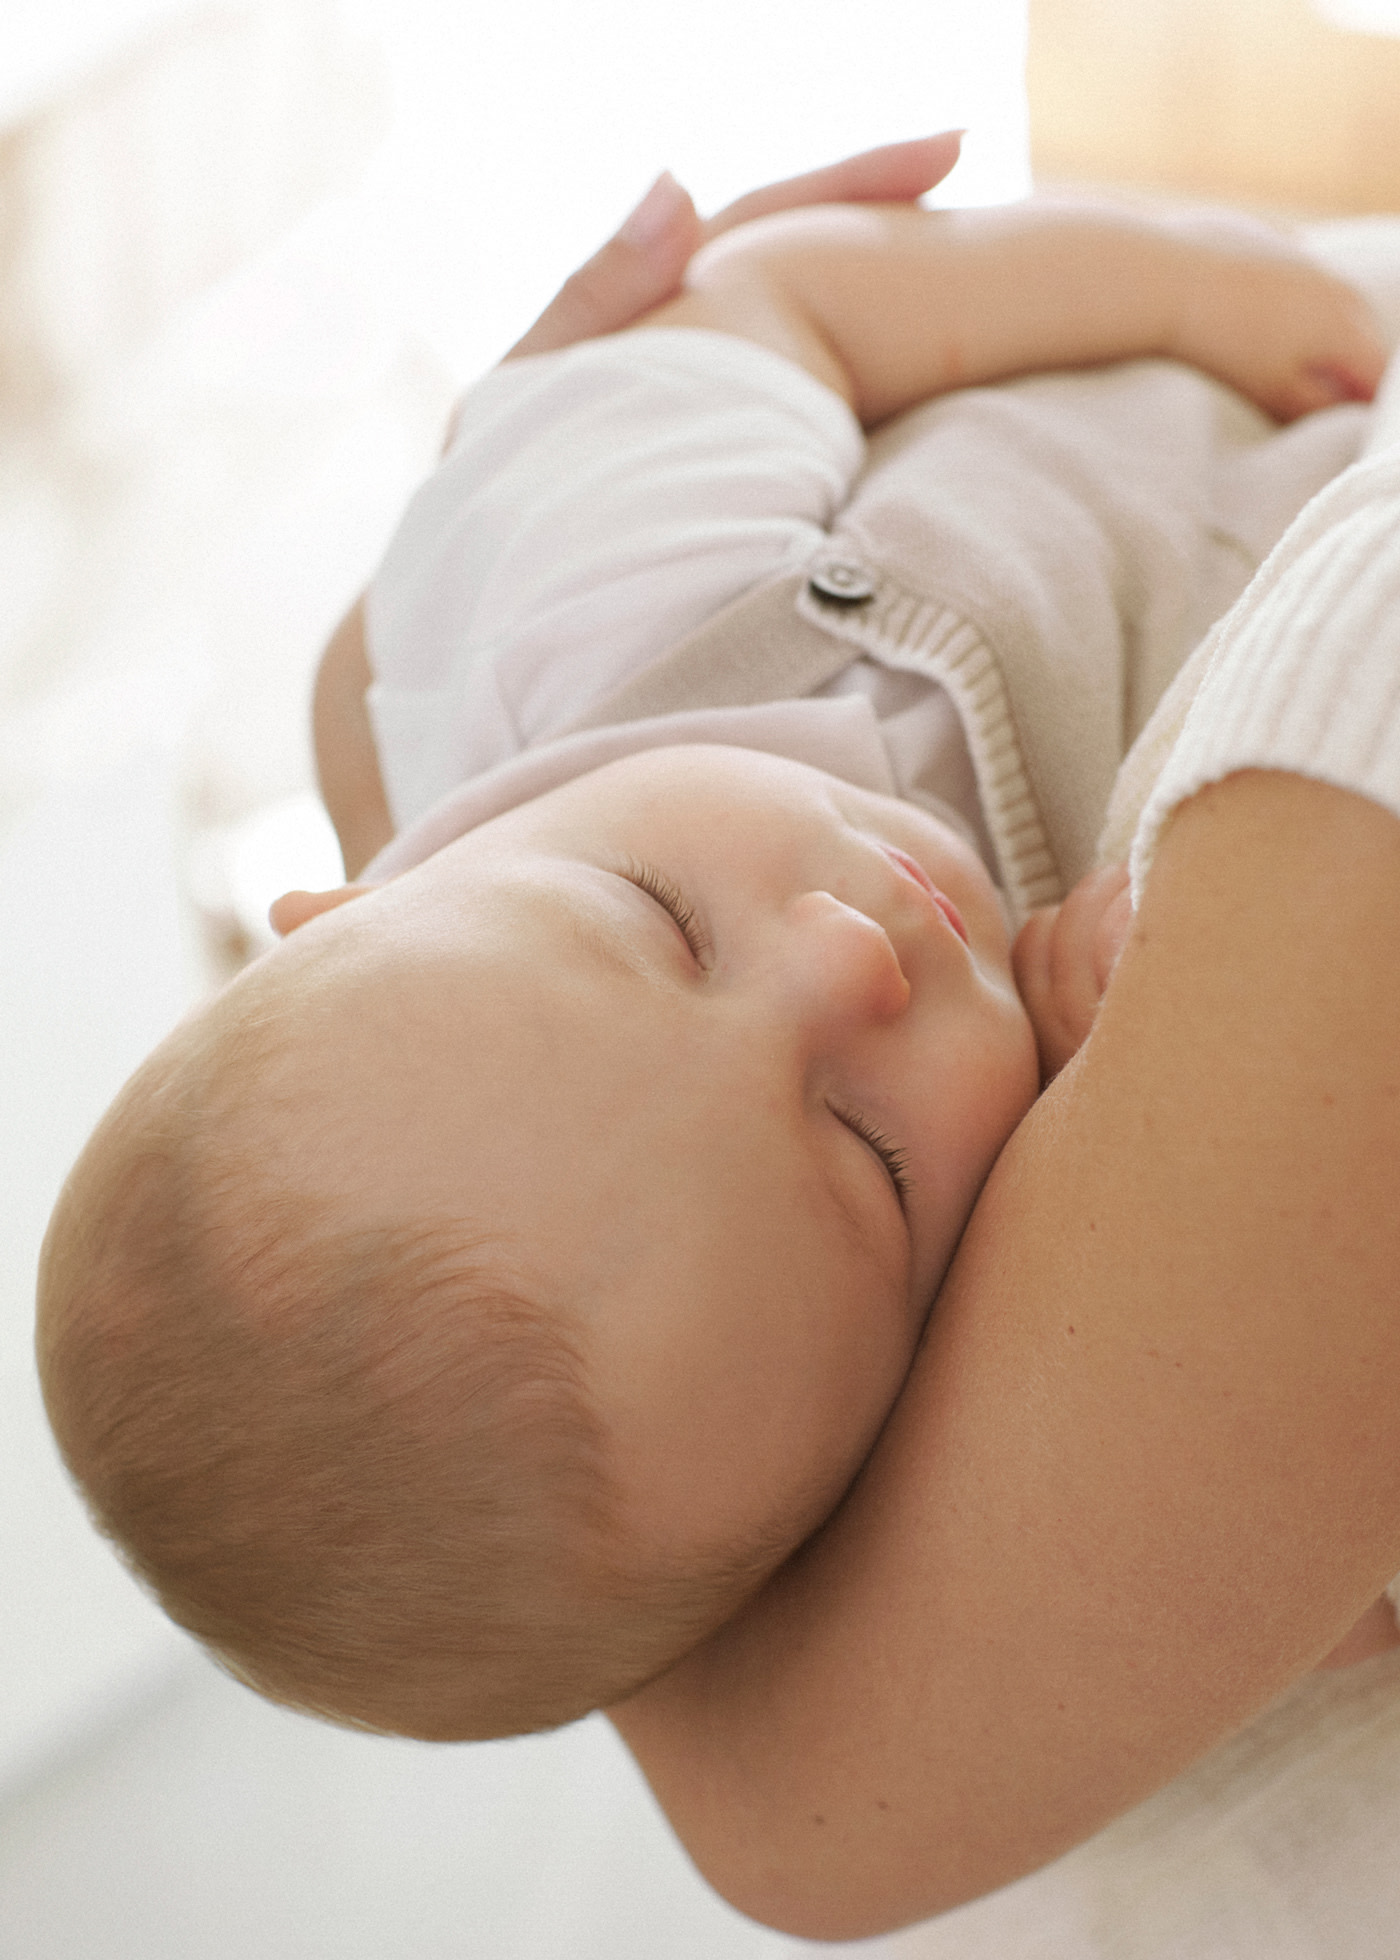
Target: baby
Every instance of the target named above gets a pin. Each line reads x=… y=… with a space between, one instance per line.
x=464 y=1312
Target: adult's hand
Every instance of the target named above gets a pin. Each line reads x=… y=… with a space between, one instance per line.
x=642 y=263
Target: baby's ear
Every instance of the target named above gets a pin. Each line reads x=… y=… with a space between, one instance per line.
x=293 y=909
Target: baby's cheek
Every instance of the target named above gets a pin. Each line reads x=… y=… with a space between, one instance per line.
x=1011 y=1078
x=1030 y=963
x=1025 y=1074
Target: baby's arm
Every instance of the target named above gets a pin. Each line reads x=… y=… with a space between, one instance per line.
x=891 y=305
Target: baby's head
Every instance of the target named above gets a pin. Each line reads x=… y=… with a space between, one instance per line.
x=468 y=1309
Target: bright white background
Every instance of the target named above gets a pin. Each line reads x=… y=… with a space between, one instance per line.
x=562 y=116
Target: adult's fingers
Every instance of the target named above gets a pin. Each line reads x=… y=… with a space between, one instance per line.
x=896 y=173
x=638 y=268
x=641 y=265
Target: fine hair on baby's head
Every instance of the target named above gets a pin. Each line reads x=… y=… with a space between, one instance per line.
x=359 y=1457
x=461 y=1315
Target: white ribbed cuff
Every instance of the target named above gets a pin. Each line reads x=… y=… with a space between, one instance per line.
x=1305 y=673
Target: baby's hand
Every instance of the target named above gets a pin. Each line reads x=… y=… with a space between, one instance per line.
x=1255 y=312
x=1062 y=960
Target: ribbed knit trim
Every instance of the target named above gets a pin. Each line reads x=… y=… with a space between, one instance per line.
x=902 y=630
x=1305 y=671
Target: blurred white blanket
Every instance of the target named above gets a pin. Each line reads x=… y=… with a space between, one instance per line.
x=1282 y=1844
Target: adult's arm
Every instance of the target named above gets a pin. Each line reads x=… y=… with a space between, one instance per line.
x=347 y=762
x=637 y=269
x=1146 y=1470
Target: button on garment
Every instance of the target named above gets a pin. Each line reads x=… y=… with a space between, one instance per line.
x=842 y=583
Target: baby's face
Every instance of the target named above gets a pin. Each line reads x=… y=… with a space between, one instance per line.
x=729 y=1047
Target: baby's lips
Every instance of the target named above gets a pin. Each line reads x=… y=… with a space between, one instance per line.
x=915 y=872
x=951 y=914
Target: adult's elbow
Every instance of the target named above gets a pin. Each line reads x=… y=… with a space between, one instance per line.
x=826 y=1872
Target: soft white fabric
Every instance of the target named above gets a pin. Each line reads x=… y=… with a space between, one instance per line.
x=624 y=533
x=840 y=736
x=595 y=506
x=1329 y=631
x=1302 y=674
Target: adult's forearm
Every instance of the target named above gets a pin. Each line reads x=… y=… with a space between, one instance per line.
x=1147 y=1468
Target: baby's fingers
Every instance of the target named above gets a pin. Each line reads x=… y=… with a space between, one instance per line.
x=1342 y=359
x=1350 y=372
x=1031 y=966
x=1062 y=960
x=1112 y=897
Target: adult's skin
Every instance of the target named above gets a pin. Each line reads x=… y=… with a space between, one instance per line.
x=639 y=267
x=1146 y=1469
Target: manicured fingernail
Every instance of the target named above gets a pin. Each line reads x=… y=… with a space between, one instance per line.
x=655 y=214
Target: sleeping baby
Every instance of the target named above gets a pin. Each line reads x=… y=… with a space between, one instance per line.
x=465 y=1311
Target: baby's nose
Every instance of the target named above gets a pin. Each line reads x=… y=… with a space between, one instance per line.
x=844 y=969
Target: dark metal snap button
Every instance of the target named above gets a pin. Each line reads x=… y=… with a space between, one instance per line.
x=841 y=583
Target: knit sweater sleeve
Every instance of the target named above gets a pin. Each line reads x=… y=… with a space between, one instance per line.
x=1303 y=674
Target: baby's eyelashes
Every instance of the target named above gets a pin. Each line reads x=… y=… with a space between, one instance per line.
x=894 y=1160
x=672 y=900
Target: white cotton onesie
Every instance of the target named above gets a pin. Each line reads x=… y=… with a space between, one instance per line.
x=1302 y=674
x=1044 y=554
x=594 y=507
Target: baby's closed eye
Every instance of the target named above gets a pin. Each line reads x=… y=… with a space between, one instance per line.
x=894 y=1160
x=668 y=895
